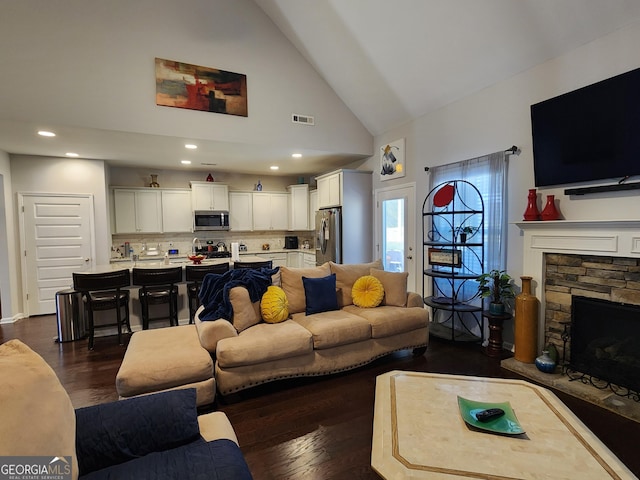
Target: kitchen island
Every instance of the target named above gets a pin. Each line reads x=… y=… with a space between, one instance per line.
x=134 y=305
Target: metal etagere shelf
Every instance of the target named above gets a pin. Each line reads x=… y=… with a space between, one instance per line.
x=453 y=241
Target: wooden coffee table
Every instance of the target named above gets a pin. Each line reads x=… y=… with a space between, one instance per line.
x=418 y=432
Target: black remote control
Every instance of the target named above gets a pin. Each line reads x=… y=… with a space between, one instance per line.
x=489 y=414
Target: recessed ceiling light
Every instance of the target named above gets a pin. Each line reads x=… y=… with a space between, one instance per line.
x=191 y=146
x=46 y=133
x=71 y=154
x=297 y=155
x=185 y=162
x=274 y=167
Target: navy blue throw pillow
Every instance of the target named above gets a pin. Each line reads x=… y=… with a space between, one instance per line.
x=113 y=433
x=320 y=294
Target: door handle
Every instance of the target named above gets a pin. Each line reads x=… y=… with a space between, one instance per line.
x=409 y=257
x=87 y=259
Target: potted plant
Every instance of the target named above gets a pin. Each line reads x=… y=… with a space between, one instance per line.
x=463 y=232
x=497 y=286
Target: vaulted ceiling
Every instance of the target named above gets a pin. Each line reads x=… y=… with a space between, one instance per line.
x=389 y=61
x=394 y=61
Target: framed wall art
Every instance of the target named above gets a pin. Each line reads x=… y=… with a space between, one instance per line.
x=183 y=85
x=392 y=160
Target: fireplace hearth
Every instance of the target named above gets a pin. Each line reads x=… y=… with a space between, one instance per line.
x=597 y=258
x=605 y=345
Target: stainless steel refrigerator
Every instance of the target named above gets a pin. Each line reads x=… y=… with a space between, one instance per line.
x=328 y=235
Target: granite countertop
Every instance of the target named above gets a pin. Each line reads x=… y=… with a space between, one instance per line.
x=279 y=250
x=184 y=257
x=174 y=261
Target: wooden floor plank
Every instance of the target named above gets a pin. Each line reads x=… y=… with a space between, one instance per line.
x=304 y=429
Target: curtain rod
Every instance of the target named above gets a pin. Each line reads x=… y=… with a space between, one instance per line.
x=514 y=150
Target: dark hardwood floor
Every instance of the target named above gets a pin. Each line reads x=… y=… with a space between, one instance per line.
x=316 y=428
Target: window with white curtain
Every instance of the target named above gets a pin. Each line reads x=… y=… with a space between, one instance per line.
x=488 y=175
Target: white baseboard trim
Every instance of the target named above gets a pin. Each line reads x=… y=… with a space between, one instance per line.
x=13 y=319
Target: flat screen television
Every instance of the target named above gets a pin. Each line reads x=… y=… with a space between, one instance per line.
x=592 y=133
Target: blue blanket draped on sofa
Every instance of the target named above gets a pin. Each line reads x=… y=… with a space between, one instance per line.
x=214 y=292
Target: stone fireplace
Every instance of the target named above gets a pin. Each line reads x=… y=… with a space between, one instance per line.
x=598 y=259
x=616 y=279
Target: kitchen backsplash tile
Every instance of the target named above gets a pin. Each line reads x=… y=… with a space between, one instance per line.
x=183 y=242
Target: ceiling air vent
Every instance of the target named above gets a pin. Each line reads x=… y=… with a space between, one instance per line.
x=303 y=119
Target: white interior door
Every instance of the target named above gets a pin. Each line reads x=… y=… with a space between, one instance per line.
x=56 y=240
x=395 y=230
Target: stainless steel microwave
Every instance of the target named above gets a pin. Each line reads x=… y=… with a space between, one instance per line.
x=210 y=220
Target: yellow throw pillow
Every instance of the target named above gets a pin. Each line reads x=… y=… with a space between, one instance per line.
x=274 y=306
x=367 y=292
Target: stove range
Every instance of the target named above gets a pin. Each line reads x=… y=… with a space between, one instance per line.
x=208 y=254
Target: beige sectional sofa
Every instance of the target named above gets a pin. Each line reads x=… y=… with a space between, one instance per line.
x=109 y=440
x=248 y=351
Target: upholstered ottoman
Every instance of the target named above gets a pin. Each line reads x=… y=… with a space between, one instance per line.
x=166 y=359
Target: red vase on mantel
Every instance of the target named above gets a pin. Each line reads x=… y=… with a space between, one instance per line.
x=550 y=212
x=532 y=213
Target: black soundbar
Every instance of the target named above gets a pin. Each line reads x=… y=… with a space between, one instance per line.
x=603 y=188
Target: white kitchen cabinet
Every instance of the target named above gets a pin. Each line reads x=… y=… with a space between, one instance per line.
x=309 y=259
x=294 y=259
x=278 y=259
x=298 y=207
x=330 y=190
x=209 y=196
x=270 y=211
x=137 y=210
x=313 y=208
x=240 y=211
x=176 y=211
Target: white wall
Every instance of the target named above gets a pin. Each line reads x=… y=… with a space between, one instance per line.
x=9 y=295
x=498 y=117
x=140 y=177
x=60 y=175
x=92 y=64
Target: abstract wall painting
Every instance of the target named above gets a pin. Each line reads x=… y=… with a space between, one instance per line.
x=392 y=160
x=183 y=85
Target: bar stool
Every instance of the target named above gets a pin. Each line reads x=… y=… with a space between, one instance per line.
x=158 y=286
x=265 y=263
x=195 y=274
x=104 y=291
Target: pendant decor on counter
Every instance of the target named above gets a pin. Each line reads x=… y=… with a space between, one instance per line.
x=154 y=181
x=258 y=186
x=209 y=178
x=532 y=212
x=545 y=363
x=526 y=324
x=550 y=212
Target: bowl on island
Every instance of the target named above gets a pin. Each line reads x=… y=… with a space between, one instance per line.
x=196 y=259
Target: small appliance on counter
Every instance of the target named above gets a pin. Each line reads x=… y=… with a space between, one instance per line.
x=291 y=242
